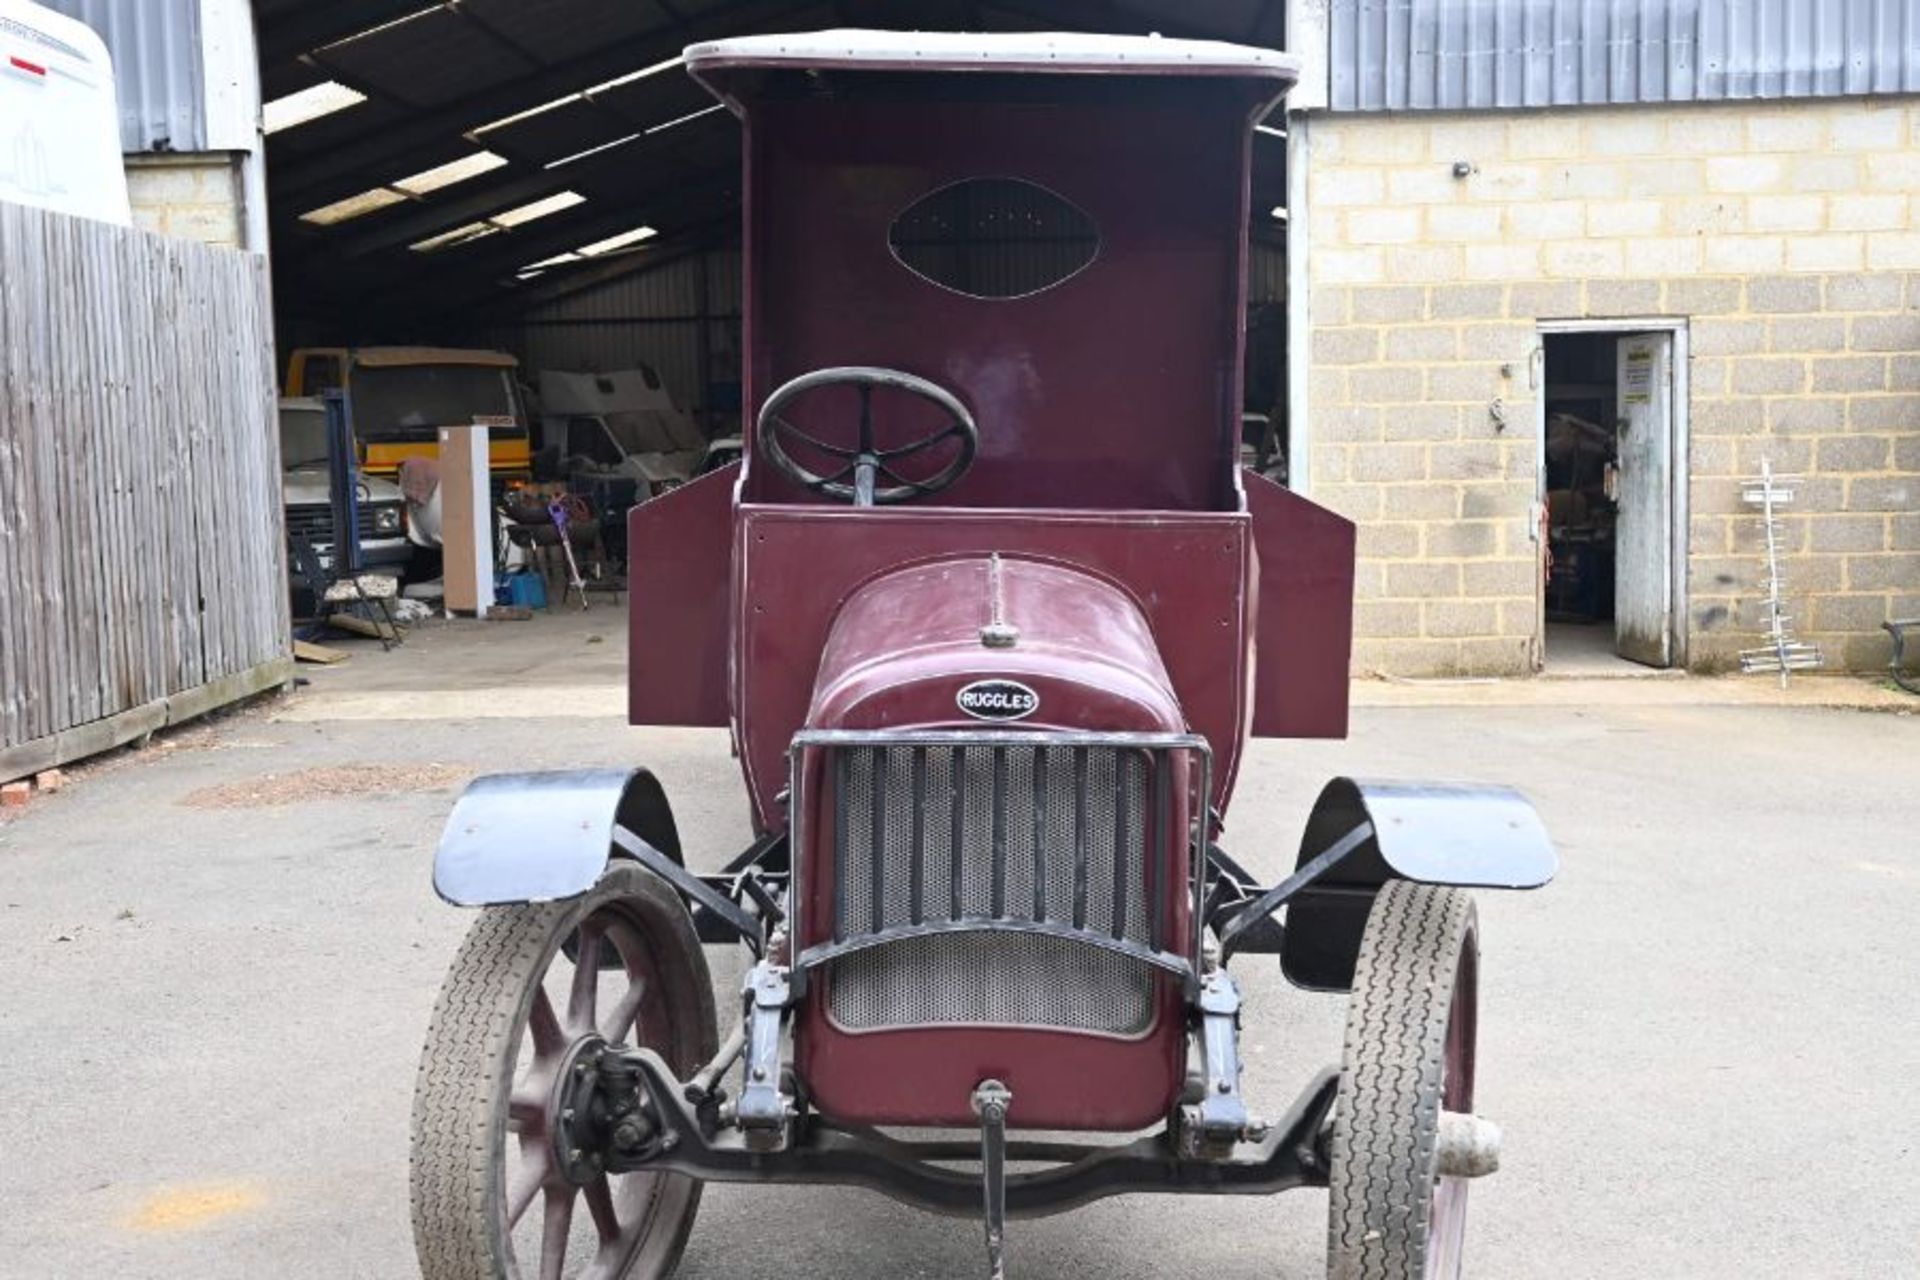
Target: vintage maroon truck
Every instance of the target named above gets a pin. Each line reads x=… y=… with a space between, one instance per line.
x=990 y=610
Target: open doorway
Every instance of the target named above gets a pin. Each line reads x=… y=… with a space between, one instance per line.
x=1609 y=478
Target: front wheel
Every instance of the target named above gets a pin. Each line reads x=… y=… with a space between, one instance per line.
x=1409 y=1056
x=531 y=987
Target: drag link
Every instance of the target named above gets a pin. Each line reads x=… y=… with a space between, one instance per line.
x=707 y=1079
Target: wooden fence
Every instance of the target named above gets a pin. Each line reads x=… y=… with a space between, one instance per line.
x=142 y=561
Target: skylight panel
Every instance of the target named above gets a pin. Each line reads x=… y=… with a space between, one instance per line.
x=499 y=222
x=612 y=244
x=418 y=186
x=620 y=241
x=310 y=104
x=353 y=207
x=446 y=175
x=456 y=237
x=538 y=209
x=533 y=269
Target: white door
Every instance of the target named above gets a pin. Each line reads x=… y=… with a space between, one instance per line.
x=1643 y=542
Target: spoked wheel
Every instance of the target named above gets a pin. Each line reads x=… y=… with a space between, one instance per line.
x=496 y=1196
x=1409 y=1056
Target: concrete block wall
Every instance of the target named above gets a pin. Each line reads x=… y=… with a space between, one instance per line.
x=188 y=196
x=1785 y=234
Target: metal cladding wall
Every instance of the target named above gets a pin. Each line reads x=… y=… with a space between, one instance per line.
x=157 y=64
x=1446 y=55
x=653 y=318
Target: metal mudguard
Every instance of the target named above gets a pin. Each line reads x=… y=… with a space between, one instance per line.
x=1481 y=837
x=542 y=837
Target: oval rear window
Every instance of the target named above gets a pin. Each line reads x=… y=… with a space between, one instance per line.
x=995 y=238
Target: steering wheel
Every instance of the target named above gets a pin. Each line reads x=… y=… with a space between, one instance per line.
x=858 y=481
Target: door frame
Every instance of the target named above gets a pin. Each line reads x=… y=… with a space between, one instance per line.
x=1679 y=474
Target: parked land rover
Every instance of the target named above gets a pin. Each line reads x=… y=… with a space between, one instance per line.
x=303 y=487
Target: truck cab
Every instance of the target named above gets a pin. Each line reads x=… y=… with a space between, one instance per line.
x=400 y=397
x=306 y=495
x=990 y=610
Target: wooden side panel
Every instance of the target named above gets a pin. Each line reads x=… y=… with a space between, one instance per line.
x=1303 y=636
x=142 y=545
x=681 y=546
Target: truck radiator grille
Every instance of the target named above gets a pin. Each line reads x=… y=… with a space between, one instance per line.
x=315 y=522
x=991 y=979
x=957 y=848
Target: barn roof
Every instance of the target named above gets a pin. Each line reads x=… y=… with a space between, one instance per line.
x=441 y=162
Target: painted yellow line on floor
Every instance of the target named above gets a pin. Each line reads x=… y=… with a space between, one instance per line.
x=189 y=1208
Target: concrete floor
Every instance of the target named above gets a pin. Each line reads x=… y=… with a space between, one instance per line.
x=215 y=970
x=1587 y=651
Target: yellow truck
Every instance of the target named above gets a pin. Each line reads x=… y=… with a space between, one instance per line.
x=400 y=397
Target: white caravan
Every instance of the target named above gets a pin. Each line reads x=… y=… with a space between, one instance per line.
x=59 y=118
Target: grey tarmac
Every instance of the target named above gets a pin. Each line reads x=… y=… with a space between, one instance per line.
x=217 y=958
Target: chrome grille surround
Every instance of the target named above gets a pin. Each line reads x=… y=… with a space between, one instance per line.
x=1045 y=919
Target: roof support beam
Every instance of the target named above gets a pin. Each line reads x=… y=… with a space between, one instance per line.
x=410 y=283
x=485 y=302
x=385 y=156
x=444 y=214
x=565 y=284
x=692 y=196
x=308 y=26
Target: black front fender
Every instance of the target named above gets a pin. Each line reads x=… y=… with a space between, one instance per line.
x=1475 y=836
x=544 y=837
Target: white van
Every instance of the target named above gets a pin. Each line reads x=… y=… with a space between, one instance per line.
x=59 y=117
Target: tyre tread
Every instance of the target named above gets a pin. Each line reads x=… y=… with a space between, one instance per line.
x=1382 y=1166
x=458 y=1101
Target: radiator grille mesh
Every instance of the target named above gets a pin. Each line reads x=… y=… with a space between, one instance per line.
x=987 y=979
x=931 y=834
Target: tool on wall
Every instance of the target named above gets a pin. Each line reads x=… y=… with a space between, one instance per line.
x=1782 y=652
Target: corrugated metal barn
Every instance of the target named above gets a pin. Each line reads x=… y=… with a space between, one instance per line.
x=156 y=49
x=545 y=179
x=1576 y=272
x=1400 y=55
x=1464 y=211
